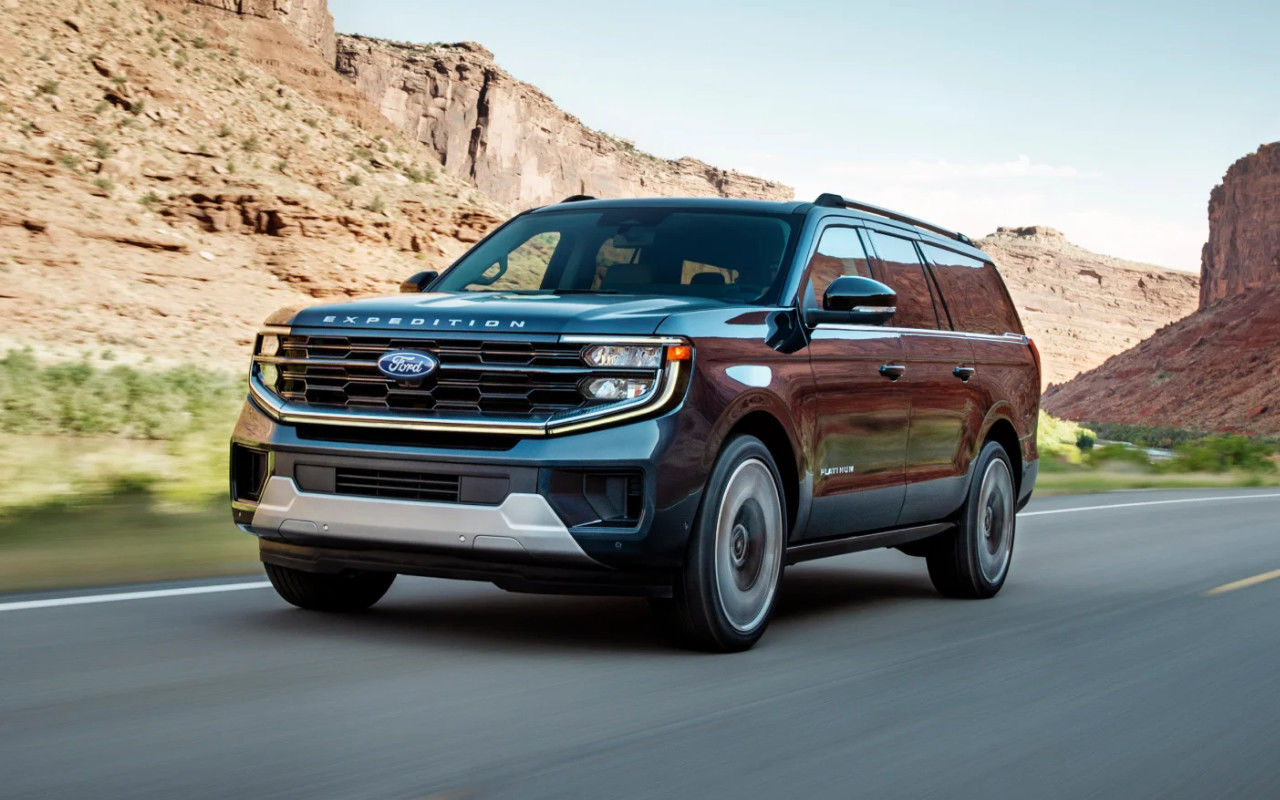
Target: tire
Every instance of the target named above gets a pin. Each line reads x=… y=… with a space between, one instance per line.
x=725 y=593
x=346 y=591
x=973 y=560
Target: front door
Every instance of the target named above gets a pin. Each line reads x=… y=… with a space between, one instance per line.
x=858 y=410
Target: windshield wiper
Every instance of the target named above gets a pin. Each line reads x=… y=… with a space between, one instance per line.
x=583 y=291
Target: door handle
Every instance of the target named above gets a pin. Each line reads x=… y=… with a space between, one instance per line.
x=892 y=371
x=963 y=373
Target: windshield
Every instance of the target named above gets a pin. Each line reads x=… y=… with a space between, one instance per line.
x=734 y=257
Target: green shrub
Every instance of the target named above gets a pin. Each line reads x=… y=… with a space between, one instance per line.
x=1059 y=439
x=1223 y=453
x=1117 y=452
x=1163 y=437
x=80 y=398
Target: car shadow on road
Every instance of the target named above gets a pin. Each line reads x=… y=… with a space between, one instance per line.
x=480 y=617
x=811 y=590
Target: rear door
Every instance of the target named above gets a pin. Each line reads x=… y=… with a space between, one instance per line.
x=857 y=411
x=935 y=380
x=975 y=298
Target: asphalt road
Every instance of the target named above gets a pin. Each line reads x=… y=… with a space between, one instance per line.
x=1104 y=669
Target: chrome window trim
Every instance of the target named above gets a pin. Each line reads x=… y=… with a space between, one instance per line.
x=990 y=337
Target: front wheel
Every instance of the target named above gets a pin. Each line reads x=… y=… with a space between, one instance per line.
x=973 y=560
x=346 y=591
x=725 y=593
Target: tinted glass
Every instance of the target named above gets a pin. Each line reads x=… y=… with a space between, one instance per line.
x=642 y=251
x=839 y=252
x=899 y=266
x=974 y=293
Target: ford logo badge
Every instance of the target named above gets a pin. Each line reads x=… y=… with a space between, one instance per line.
x=407 y=365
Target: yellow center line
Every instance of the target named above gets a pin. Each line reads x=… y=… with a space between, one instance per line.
x=1244 y=583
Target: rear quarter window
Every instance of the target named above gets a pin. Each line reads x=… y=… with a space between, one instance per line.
x=973 y=292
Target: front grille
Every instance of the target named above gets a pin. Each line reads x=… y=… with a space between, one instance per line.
x=494 y=378
x=398 y=484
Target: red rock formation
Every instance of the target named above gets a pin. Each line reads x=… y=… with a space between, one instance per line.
x=309 y=20
x=1243 y=250
x=1082 y=307
x=1216 y=370
x=510 y=139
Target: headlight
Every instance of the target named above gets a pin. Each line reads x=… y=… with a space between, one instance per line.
x=270 y=345
x=613 y=355
x=616 y=388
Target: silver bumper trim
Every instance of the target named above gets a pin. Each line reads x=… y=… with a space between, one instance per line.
x=523 y=524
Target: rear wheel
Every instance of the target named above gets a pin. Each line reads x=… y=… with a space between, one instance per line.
x=725 y=593
x=346 y=591
x=973 y=560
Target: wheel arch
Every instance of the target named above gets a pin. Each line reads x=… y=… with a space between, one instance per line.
x=1000 y=430
x=770 y=430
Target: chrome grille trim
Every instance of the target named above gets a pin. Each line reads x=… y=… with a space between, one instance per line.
x=450 y=417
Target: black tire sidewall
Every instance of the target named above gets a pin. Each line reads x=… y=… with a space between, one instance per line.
x=971 y=532
x=698 y=585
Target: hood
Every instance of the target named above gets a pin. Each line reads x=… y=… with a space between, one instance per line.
x=499 y=312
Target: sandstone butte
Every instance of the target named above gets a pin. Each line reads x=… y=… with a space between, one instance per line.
x=1218 y=369
x=174 y=170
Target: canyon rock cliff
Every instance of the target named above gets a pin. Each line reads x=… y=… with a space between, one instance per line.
x=1218 y=369
x=1081 y=307
x=510 y=139
x=1243 y=251
x=170 y=174
x=309 y=20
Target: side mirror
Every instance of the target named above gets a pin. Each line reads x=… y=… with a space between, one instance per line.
x=419 y=282
x=853 y=299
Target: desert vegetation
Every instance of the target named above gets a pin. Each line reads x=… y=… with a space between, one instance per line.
x=1109 y=456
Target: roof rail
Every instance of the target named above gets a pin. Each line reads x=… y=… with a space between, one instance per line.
x=575 y=198
x=829 y=200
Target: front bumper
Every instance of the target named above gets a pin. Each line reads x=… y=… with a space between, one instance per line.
x=525 y=523
x=522 y=525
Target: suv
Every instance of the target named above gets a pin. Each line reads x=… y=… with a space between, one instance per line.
x=670 y=398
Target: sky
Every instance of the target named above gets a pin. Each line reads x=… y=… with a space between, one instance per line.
x=1109 y=121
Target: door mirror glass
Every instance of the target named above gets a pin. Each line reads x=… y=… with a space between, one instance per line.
x=858 y=300
x=419 y=282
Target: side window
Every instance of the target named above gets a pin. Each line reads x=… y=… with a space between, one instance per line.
x=521 y=269
x=839 y=252
x=899 y=267
x=974 y=293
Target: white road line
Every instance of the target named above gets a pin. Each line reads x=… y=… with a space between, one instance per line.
x=89 y=599
x=1149 y=503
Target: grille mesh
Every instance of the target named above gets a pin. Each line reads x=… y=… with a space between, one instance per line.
x=475 y=377
x=403 y=485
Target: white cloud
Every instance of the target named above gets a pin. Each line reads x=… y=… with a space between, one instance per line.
x=934 y=172
x=977 y=197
